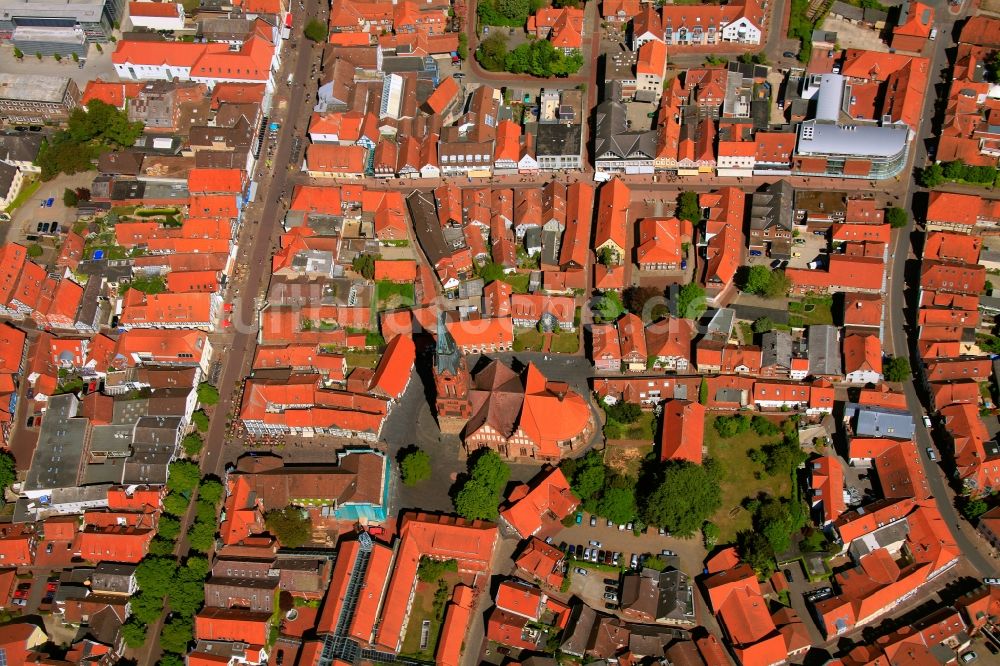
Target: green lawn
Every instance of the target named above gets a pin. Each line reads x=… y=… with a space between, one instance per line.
x=565 y=342
x=738 y=480
x=423 y=609
x=641 y=429
x=393 y=295
x=26 y=193
x=811 y=310
x=361 y=359
x=518 y=282
x=528 y=339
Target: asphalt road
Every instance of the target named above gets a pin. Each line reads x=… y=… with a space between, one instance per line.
x=896 y=329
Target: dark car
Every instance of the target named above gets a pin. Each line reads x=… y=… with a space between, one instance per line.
x=788 y=575
x=611 y=581
x=788 y=54
x=611 y=588
x=611 y=606
x=776 y=264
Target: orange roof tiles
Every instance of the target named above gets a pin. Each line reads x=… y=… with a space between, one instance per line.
x=660 y=239
x=828 y=487
x=113 y=544
x=223 y=624
x=155 y=9
x=456 y=624
x=612 y=216
x=683 y=431
x=404 y=270
x=541 y=562
x=443 y=95
x=392 y=375
x=547 y=502
x=366 y=608
x=954 y=209
x=520 y=599
x=334 y=158
x=482 y=333
x=652 y=58
x=862 y=353
x=215 y=181
x=166 y=309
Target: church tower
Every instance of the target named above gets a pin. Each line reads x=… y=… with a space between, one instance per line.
x=452 y=379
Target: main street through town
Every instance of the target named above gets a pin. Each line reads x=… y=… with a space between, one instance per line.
x=258 y=237
x=903 y=281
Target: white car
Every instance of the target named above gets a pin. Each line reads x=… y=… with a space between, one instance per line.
x=586 y=553
x=931 y=454
x=581 y=571
x=991 y=581
x=595 y=544
x=927 y=421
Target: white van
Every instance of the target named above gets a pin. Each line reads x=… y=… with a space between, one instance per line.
x=933 y=34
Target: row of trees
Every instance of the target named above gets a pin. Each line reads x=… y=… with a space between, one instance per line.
x=957 y=170
x=536 y=57
x=163 y=580
x=762 y=281
x=508 y=13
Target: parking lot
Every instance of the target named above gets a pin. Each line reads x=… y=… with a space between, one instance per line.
x=806 y=247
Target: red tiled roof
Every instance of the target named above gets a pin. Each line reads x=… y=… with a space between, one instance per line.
x=520 y=599
x=404 y=270
x=683 y=430
x=547 y=502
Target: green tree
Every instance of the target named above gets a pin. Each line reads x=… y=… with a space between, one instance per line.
x=161 y=546
x=365 y=265
x=175 y=504
x=687 y=495
x=207 y=394
x=146 y=607
x=176 y=635
x=731 y=426
x=490 y=469
x=431 y=571
x=155 y=575
x=195 y=568
x=516 y=10
x=183 y=477
x=187 y=596
x=618 y=505
x=623 y=412
x=931 y=175
x=291 y=525
x=201 y=536
x=210 y=490
x=134 y=633
x=315 y=30
x=200 y=420
x=762 y=281
x=763 y=427
x=897 y=369
x=168 y=659
x=415 y=467
x=762 y=325
x=703 y=392
x=691 y=302
x=76 y=57
x=8 y=472
x=168 y=528
x=463 y=46
x=476 y=500
x=492 y=52
x=609 y=306
x=755 y=550
x=896 y=217
x=69 y=198
x=688 y=207
x=35 y=250
x=992 y=68
x=972 y=507
x=18 y=53
x=192 y=443
x=589 y=481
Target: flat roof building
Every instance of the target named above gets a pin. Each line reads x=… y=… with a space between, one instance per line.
x=95 y=17
x=36 y=98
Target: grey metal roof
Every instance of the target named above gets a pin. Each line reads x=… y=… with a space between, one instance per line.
x=872 y=421
x=56 y=463
x=818 y=138
x=776 y=347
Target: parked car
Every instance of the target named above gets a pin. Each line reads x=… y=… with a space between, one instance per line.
x=579 y=517
x=991 y=581
x=799 y=241
x=595 y=543
x=611 y=581
x=629 y=526
x=634 y=562
x=600 y=556
x=931 y=454
x=667 y=553
x=610 y=524
x=572 y=550
x=593 y=521
x=586 y=553
x=788 y=575
x=581 y=571
x=610 y=606
x=615 y=558
x=661 y=532
x=788 y=54
x=969 y=657
x=610 y=596
x=927 y=421
x=776 y=264
x=621 y=528
x=610 y=588
x=20 y=602
x=593 y=555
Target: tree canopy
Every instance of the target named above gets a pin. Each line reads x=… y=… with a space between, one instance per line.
x=896 y=217
x=636 y=298
x=479 y=495
x=762 y=281
x=207 y=394
x=90 y=131
x=210 y=490
x=688 y=207
x=537 y=57
x=176 y=635
x=8 y=472
x=415 y=467
x=618 y=504
x=691 y=302
x=184 y=476
x=897 y=369
x=685 y=497
x=315 y=30
x=292 y=527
